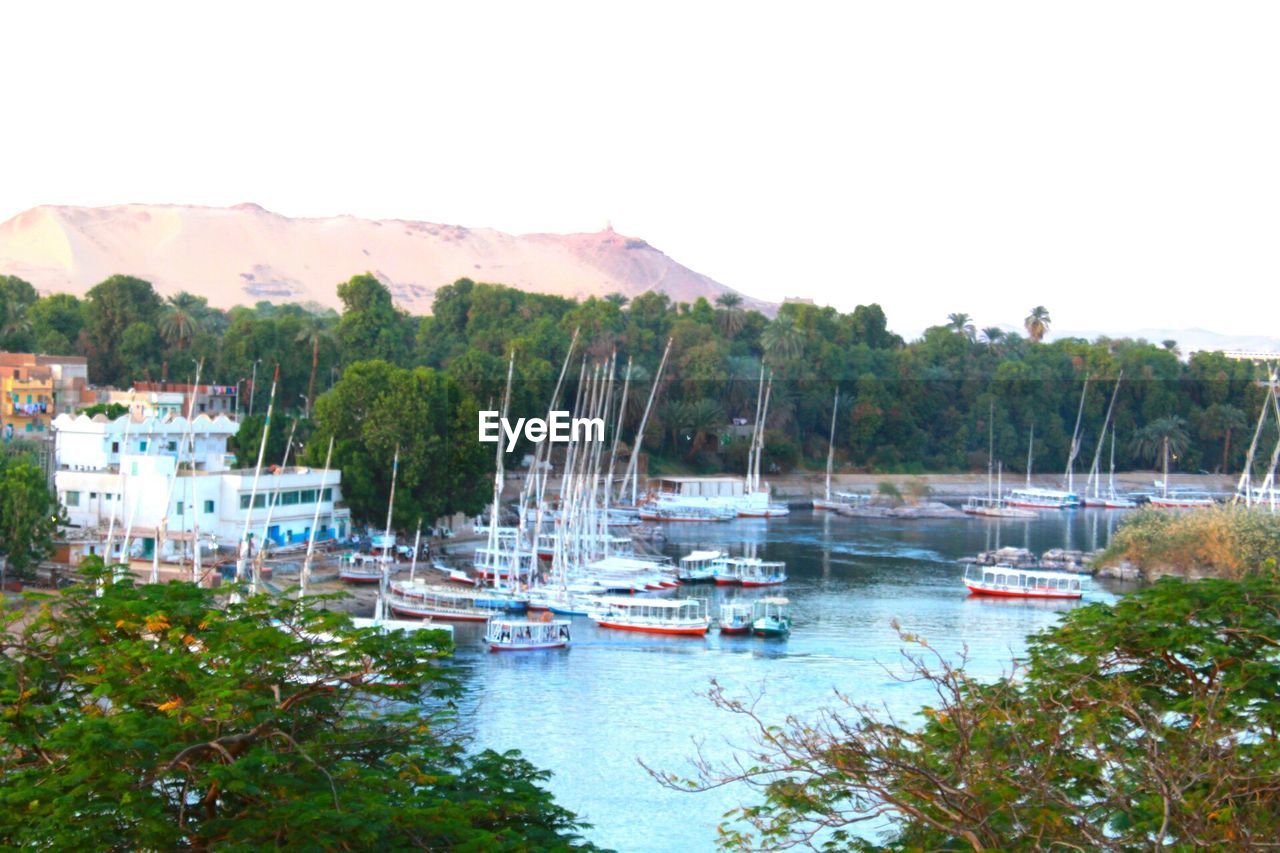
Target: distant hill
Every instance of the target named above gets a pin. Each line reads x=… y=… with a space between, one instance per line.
x=243 y=254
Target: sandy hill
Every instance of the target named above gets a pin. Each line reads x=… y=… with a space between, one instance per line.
x=243 y=254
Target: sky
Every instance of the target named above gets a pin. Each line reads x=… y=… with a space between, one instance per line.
x=1117 y=162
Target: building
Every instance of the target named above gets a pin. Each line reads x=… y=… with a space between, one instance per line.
x=103 y=475
x=209 y=399
x=145 y=404
x=36 y=388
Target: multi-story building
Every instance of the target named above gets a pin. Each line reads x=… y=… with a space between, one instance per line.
x=145 y=404
x=209 y=399
x=155 y=471
x=36 y=388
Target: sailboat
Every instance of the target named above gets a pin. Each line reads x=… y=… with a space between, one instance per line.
x=1178 y=499
x=993 y=505
x=1094 y=495
x=369 y=568
x=1038 y=498
x=836 y=500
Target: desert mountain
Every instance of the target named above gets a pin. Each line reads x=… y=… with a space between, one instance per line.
x=243 y=254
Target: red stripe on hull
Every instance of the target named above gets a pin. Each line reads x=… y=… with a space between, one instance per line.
x=727 y=581
x=361 y=579
x=745 y=629
x=651 y=629
x=1012 y=594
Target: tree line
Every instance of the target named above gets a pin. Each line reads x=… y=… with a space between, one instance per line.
x=905 y=406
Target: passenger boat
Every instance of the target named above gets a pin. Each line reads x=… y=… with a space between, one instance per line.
x=564 y=601
x=504 y=562
x=686 y=512
x=1043 y=499
x=420 y=600
x=1010 y=582
x=682 y=616
x=1181 y=500
x=697 y=566
x=841 y=500
x=363 y=568
x=523 y=635
x=754 y=572
x=735 y=617
x=771 y=617
x=994 y=508
x=610 y=544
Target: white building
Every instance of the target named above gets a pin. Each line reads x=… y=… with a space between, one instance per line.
x=101 y=475
x=146 y=403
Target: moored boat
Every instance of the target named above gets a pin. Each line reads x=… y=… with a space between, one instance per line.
x=679 y=616
x=771 y=617
x=423 y=601
x=364 y=568
x=735 y=617
x=697 y=566
x=1010 y=582
x=505 y=634
x=1043 y=499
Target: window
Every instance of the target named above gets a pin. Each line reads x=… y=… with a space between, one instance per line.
x=115 y=447
x=326 y=495
x=259 y=501
x=73 y=499
x=208 y=507
x=308 y=496
x=173 y=445
x=288 y=498
x=179 y=508
x=93 y=495
x=142 y=446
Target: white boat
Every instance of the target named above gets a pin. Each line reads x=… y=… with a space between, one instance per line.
x=1181 y=500
x=1043 y=499
x=842 y=500
x=676 y=511
x=1009 y=582
x=748 y=571
x=423 y=601
x=735 y=617
x=697 y=566
x=600 y=543
x=388 y=625
x=364 y=568
x=771 y=617
x=678 y=616
x=521 y=635
x=995 y=508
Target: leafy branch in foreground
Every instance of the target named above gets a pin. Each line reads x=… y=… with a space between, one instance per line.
x=1148 y=722
x=152 y=717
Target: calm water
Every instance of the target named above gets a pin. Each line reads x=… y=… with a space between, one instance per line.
x=589 y=712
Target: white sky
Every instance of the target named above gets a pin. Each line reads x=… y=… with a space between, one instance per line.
x=1118 y=162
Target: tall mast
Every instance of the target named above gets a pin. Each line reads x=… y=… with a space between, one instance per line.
x=1095 y=470
x=1245 y=486
x=111 y=525
x=755 y=429
x=498 y=473
x=271 y=509
x=384 y=562
x=1075 y=439
x=831 y=441
x=991 y=444
x=1031 y=443
x=633 y=471
x=764 y=415
x=162 y=533
x=315 y=523
x=1111 y=478
x=243 y=556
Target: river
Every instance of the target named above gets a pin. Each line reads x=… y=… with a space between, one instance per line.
x=589 y=713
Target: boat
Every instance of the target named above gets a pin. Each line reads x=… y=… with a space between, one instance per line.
x=735 y=617
x=697 y=566
x=1006 y=581
x=994 y=508
x=679 y=616
x=1181 y=500
x=771 y=617
x=672 y=511
x=504 y=634
x=423 y=601
x=1043 y=499
x=836 y=500
x=363 y=568
x=452 y=575
x=753 y=572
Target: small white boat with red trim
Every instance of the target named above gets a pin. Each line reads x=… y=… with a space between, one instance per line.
x=364 y=568
x=748 y=571
x=505 y=634
x=698 y=566
x=1004 y=581
x=679 y=616
x=424 y=601
x=736 y=617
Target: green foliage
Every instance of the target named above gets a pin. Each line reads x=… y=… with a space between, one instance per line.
x=376 y=407
x=1139 y=725
x=155 y=718
x=371 y=326
x=110 y=410
x=122 y=338
x=28 y=514
x=1227 y=541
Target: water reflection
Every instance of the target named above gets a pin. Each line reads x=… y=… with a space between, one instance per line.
x=587 y=713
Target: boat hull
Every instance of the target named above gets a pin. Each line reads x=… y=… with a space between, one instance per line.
x=726 y=581
x=442 y=615
x=974 y=589
x=527 y=647
x=771 y=632
x=735 y=629
x=685 y=631
x=346 y=578
x=766 y=582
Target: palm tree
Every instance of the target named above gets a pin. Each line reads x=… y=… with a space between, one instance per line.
x=729 y=312
x=961 y=324
x=702 y=418
x=1162 y=438
x=782 y=340
x=619 y=299
x=992 y=335
x=180 y=321
x=1219 y=421
x=1037 y=323
x=315 y=330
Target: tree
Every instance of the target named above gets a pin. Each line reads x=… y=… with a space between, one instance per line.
x=992 y=335
x=729 y=313
x=1142 y=724
x=371 y=326
x=1162 y=437
x=1037 y=323
x=180 y=319
x=120 y=330
x=315 y=331
x=154 y=717
x=28 y=514
x=961 y=324
x=1220 y=420
x=16 y=298
x=376 y=407
x=782 y=340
